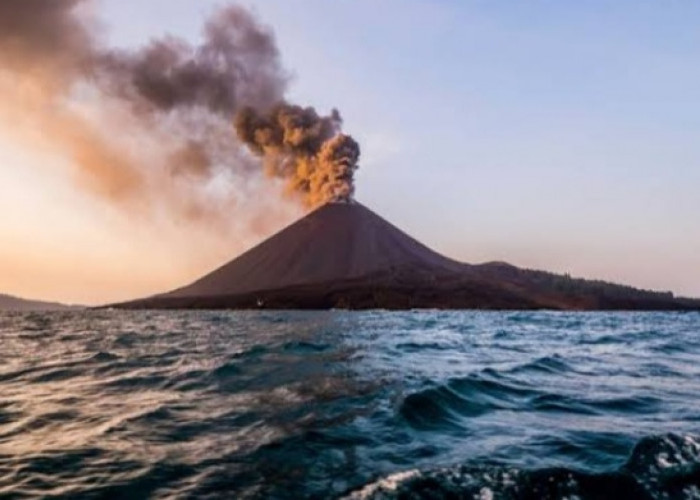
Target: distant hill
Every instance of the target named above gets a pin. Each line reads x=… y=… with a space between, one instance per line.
x=10 y=303
x=343 y=255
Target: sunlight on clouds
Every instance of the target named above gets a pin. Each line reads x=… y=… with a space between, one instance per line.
x=59 y=243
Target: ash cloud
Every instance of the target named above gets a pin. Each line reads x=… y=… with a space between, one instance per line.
x=307 y=150
x=154 y=127
x=42 y=33
x=236 y=64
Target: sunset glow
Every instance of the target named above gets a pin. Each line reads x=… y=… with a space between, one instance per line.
x=565 y=147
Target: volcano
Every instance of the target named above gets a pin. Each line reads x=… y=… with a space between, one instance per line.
x=343 y=255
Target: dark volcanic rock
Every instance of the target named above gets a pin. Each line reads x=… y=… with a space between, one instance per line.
x=337 y=242
x=345 y=256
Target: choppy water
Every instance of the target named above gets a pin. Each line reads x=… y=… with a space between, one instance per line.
x=107 y=404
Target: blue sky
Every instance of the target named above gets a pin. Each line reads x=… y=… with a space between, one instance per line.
x=557 y=135
x=560 y=135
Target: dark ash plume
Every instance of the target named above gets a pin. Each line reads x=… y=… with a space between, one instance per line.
x=36 y=33
x=237 y=64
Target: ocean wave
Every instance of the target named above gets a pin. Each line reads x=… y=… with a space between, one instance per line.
x=660 y=467
x=102 y=404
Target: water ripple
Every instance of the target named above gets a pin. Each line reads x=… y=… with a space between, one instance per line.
x=105 y=404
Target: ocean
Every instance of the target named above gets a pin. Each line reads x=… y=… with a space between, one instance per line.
x=375 y=405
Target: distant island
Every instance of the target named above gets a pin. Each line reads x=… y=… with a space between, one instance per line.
x=10 y=303
x=344 y=256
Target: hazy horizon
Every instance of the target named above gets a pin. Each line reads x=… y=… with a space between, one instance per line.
x=557 y=137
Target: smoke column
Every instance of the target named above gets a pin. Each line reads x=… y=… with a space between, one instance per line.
x=306 y=149
x=153 y=128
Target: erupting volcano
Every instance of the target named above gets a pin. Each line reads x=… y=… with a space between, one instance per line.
x=343 y=255
x=203 y=133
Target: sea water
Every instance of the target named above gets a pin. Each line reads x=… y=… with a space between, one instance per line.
x=415 y=404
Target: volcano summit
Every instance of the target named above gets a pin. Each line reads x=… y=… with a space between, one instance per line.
x=343 y=255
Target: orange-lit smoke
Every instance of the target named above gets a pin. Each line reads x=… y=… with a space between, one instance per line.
x=307 y=150
x=152 y=129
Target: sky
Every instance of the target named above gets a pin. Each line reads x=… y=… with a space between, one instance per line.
x=552 y=135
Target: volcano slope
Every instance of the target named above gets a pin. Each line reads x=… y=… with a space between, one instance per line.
x=343 y=255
